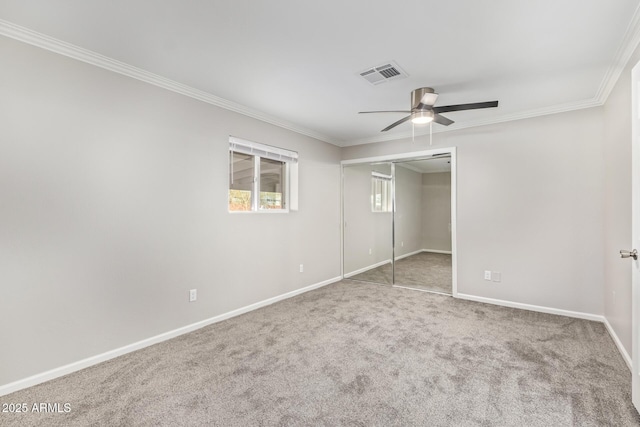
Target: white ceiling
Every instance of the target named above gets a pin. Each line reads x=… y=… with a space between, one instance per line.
x=296 y=63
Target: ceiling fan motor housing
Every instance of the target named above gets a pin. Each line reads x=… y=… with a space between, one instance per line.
x=417 y=96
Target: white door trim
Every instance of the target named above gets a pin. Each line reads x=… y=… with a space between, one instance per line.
x=634 y=242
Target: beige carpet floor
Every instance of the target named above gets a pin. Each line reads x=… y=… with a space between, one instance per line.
x=352 y=354
x=425 y=271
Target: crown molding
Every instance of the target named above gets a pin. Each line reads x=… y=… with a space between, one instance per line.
x=43 y=41
x=621 y=58
x=629 y=43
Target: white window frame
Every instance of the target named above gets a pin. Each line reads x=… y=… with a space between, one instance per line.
x=259 y=151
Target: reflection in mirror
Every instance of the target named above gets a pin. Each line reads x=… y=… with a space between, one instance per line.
x=367 y=222
x=423 y=224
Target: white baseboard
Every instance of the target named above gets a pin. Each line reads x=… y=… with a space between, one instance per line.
x=530 y=307
x=621 y=349
x=94 y=360
x=409 y=254
x=436 y=251
x=370 y=267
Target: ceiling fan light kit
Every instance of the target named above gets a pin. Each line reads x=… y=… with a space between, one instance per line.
x=423 y=111
x=422 y=117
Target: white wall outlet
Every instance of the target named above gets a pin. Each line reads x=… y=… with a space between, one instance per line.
x=193 y=295
x=496 y=276
x=487 y=275
x=401 y=244
x=301 y=268
x=370 y=251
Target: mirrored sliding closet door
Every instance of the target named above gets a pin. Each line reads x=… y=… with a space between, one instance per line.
x=367 y=192
x=422 y=224
x=397 y=223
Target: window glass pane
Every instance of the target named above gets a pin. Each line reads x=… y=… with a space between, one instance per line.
x=240 y=181
x=380 y=195
x=272 y=175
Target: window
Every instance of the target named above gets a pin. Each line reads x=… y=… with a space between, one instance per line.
x=272 y=174
x=241 y=185
x=380 y=192
x=261 y=177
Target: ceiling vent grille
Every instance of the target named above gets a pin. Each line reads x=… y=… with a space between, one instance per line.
x=383 y=73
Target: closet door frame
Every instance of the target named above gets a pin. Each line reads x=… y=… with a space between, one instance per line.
x=405 y=157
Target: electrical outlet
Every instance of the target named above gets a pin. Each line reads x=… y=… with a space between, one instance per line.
x=487 y=275
x=301 y=268
x=496 y=276
x=370 y=251
x=401 y=244
x=193 y=295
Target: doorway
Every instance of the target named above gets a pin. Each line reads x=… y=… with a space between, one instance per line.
x=398 y=223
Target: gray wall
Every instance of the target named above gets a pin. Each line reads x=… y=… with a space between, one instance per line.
x=436 y=211
x=617 y=205
x=529 y=204
x=114 y=205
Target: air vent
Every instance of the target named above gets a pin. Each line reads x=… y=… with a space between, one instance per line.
x=383 y=73
x=389 y=72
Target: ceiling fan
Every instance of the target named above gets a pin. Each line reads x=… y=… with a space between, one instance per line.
x=423 y=110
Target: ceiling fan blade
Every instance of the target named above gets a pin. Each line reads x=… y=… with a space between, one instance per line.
x=387 y=111
x=399 y=122
x=437 y=118
x=461 y=107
